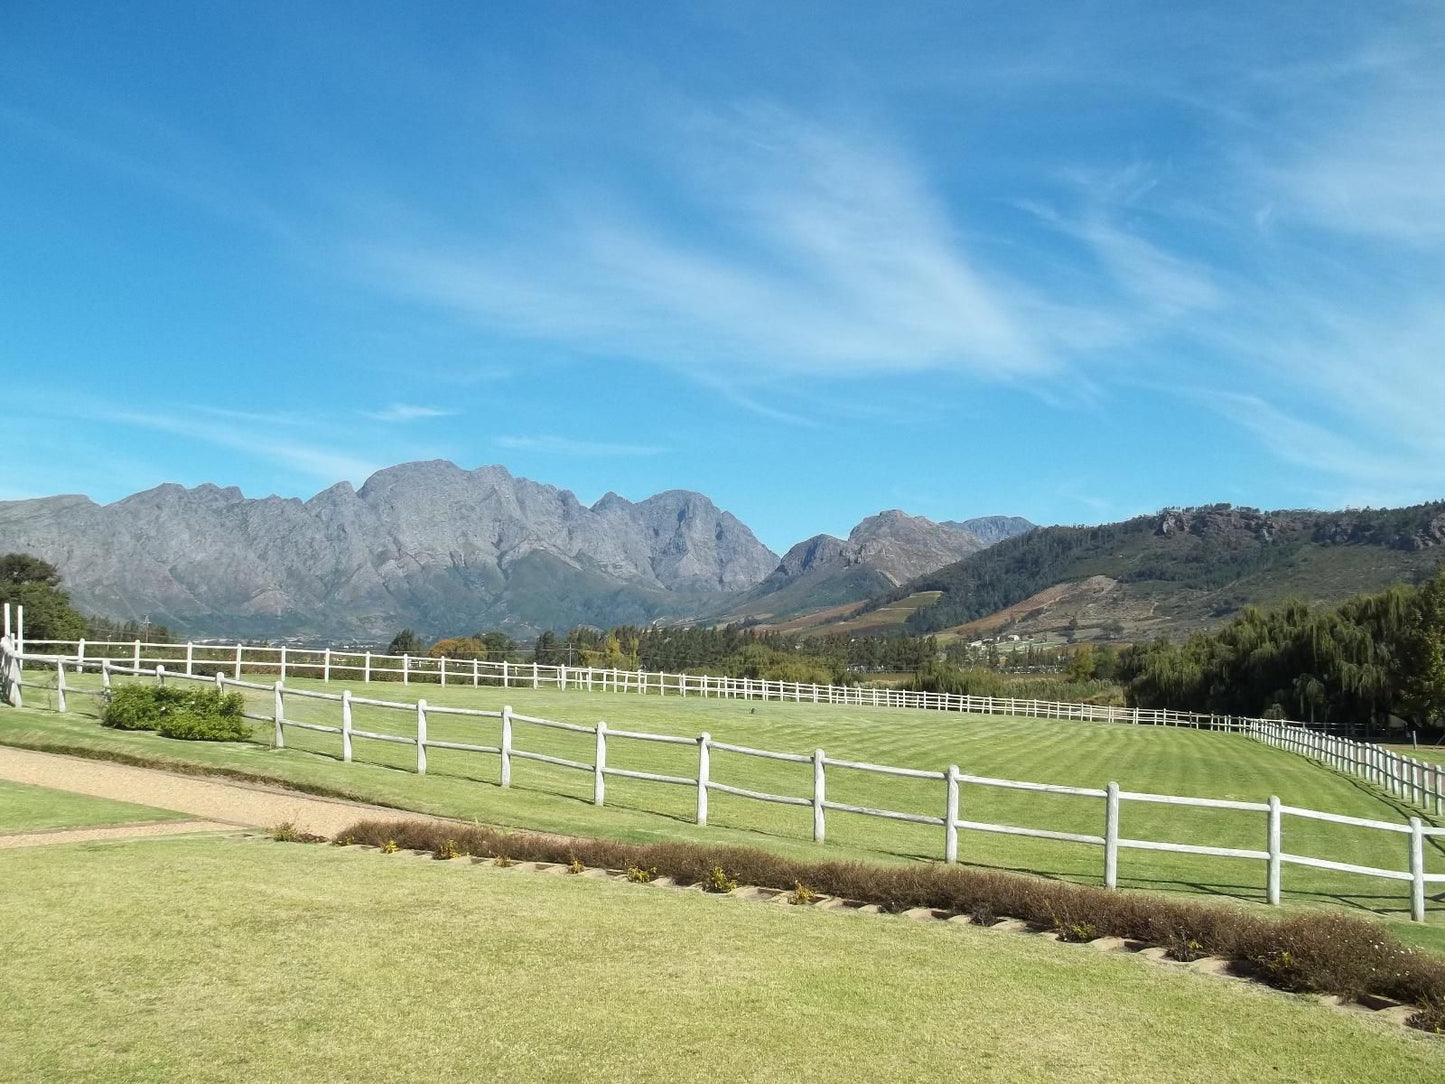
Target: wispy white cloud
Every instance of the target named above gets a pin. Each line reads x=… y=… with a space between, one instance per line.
x=407 y=412
x=553 y=445
x=315 y=460
x=830 y=255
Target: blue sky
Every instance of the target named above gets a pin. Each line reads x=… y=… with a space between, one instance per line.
x=1068 y=261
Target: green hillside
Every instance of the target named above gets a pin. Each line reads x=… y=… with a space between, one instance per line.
x=1188 y=568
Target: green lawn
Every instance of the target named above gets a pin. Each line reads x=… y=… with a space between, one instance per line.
x=549 y=798
x=29 y=809
x=236 y=961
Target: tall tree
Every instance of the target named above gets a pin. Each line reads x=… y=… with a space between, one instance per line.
x=35 y=584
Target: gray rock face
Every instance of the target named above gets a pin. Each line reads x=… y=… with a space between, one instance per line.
x=443 y=549
x=881 y=552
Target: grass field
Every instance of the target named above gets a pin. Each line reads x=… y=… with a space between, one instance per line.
x=213 y=960
x=30 y=809
x=544 y=797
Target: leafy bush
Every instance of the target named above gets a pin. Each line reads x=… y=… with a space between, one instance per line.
x=190 y=726
x=718 y=881
x=574 y=866
x=447 y=849
x=191 y=714
x=801 y=894
x=638 y=875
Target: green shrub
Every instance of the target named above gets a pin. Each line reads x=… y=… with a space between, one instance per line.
x=191 y=726
x=131 y=707
x=191 y=714
x=717 y=880
x=640 y=876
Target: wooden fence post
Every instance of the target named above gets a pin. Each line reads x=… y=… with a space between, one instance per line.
x=283 y=662
x=279 y=714
x=599 y=767
x=421 y=737
x=1272 y=890
x=477 y=673
x=1417 y=870
x=326 y=665
x=704 y=769
x=818 y=795
x=105 y=673
x=346 y=726
x=80 y=654
x=160 y=674
x=220 y=683
x=507 y=746
x=950 y=815
x=60 y=685
x=135 y=658
x=190 y=657
x=366 y=670
x=405 y=668
x=238 y=662
x=1111 y=836
x=442 y=669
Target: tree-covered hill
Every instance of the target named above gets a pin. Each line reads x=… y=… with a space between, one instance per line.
x=1188 y=568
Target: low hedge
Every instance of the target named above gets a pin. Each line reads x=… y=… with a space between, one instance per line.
x=191 y=714
x=1326 y=952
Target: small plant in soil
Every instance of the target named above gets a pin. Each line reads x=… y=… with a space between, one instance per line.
x=575 y=866
x=447 y=849
x=640 y=876
x=719 y=881
x=801 y=894
x=389 y=847
x=982 y=915
x=503 y=861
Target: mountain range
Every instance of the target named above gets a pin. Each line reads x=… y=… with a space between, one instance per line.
x=450 y=551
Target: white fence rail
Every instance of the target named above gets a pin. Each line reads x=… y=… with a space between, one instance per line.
x=952 y=780
x=332 y=664
x=1418 y=782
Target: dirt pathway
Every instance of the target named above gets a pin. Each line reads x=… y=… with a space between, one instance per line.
x=219 y=802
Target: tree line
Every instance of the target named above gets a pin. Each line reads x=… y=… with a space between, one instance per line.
x=1363 y=661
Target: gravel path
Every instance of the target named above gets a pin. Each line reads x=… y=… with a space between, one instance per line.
x=110 y=831
x=220 y=802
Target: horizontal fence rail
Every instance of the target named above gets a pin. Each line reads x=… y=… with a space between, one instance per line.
x=1407 y=778
x=335 y=664
x=952 y=780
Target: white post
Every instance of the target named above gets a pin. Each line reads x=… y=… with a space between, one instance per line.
x=346 y=726
x=80 y=654
x=818 y=792
x=220 y=683
x=421 y=737
x=279 y=713
x=1417 y=870
x=1111 y=836
x=366 y=670
x=405 y=668
x=507 y=746
x=326 y=665
x=599 y=767
x=6 y=632
x=135 y=657
x=506 y=678
x=950 y=816
x=105 y=673
x=1273 y=846
x=60 y=685
x=190 y=657
x=238 y=662
x=283 y=662
x=534 y=675
x=477 y=673
x=20 y=635
x=160 y=674
x=704 y=769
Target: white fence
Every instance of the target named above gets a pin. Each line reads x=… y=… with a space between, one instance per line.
x=366 y=667
x=951 y=779
x=1419 y=782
